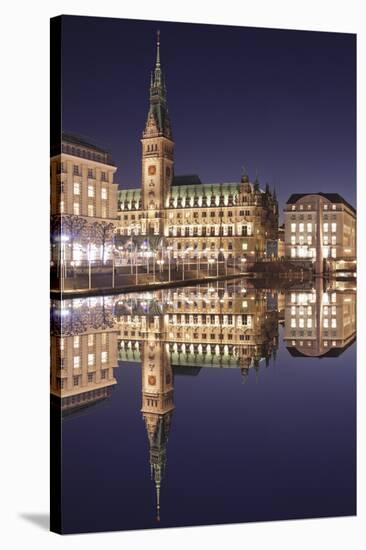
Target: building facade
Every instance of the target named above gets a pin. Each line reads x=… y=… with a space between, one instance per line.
x=83 y=201
x=321 y=321
x=321 y=227
x=84 y=352
x=193 y=219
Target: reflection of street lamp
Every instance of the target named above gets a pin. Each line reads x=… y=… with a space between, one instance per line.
x=169 y=249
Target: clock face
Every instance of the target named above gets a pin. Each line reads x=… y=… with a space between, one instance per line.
x=152 y=170
x=152 y=380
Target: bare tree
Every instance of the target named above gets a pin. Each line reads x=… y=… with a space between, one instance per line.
x=101 y=232
x=72 y=226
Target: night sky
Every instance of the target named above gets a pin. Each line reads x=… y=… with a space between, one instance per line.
x=282 y=103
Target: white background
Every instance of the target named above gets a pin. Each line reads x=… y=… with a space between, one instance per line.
x=24 y=129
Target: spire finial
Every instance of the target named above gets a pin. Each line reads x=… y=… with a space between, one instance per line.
x=158 y=48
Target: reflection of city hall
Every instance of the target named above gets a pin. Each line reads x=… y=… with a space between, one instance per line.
x=178 y=332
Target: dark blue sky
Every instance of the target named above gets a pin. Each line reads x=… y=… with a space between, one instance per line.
x=280 y=102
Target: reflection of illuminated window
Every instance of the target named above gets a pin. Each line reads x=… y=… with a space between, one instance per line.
x=76 y=361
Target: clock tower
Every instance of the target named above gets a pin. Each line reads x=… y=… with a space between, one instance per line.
x=157 y=151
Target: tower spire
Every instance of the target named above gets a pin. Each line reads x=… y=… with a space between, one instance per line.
x=158 y=49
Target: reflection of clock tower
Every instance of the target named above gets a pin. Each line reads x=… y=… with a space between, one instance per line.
x=157 y=150
x=157 y=406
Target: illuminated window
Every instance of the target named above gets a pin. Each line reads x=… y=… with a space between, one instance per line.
x=90 y=359
x=76 y=342
x=309 y=239
x=325 y=239
x=62 y=207
x=325 y=227
x=334 y=322
x=76 y=188
x=301 y=207
x=325 y=322
x=62 y=344
x=293 y=239
x=104 y=211
x=309 y=310
x=334 y=310
x=293 y=207
x=334 y=239
x=325 y=207
x=76 y=361
x=104 y=338
x=301 y=323
x=104 y=193
x=309 y=323
x=293 y=323
x=293 y=297
x=104 y=356
x=334 y=206
x=301 y=227
x=334 y=297
x=309 y=227
x=76 y=208
x=90 y=339
x=90 y=190
x=293 y=252
x=293 y=310
x=334 y=227
x=293 y=227
x=334 y=252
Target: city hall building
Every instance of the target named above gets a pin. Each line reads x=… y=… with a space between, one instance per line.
x=200 y=220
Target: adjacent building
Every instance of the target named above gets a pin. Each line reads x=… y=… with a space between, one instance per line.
x=321 y=227
x=83 y=201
